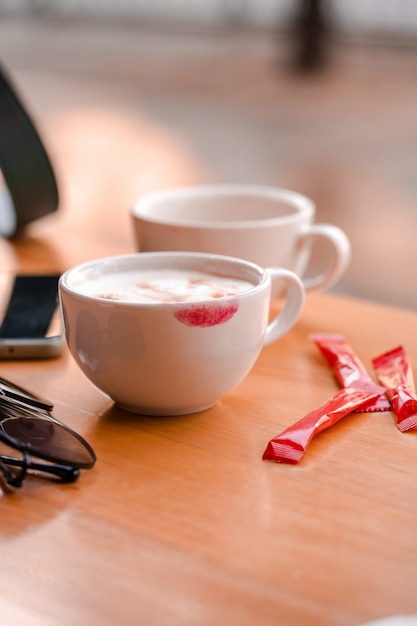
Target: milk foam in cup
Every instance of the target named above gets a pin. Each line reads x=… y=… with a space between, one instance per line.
x=168 y=285
x=269 y=226
x=169 y=333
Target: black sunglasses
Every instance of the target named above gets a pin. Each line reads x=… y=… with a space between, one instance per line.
x=27 y=425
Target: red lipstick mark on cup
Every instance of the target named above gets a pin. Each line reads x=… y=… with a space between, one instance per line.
x=206 y=315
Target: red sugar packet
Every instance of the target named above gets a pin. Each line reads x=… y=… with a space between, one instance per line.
x=349 y=369
x=394 y=371
x=290 y=445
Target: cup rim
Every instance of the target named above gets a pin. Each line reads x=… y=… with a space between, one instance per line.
x=213 y=260
x=143 y=208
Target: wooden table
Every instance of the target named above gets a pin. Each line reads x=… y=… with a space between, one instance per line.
x=181 y=522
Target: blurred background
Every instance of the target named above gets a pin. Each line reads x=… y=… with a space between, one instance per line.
x=320 y=97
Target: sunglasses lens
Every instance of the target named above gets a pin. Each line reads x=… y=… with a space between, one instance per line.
x=48 y=439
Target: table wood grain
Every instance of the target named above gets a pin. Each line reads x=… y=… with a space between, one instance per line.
x=181 y=522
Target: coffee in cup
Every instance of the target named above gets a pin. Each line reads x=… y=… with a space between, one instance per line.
x=168 y=285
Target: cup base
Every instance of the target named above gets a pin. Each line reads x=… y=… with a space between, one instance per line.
x=163 y=412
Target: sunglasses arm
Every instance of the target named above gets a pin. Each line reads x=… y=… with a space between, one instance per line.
x=65 y=473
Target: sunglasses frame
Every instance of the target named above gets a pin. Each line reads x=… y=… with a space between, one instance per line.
x=30 y=406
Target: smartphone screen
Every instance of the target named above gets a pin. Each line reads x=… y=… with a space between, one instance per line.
x=30 y=321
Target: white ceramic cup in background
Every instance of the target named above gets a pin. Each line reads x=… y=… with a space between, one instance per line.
x=167 y=357
x=269 y=226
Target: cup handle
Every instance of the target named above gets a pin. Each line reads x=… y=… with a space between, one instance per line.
x=294 y=294
x=340 y=254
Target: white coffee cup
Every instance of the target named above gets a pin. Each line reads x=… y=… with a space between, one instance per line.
x=170 y=357
x=269 y=226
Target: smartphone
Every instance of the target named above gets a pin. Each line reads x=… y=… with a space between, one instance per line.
x=30 y=320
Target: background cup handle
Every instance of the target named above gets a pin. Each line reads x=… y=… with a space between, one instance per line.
x=294 y=294
x=340 y=254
